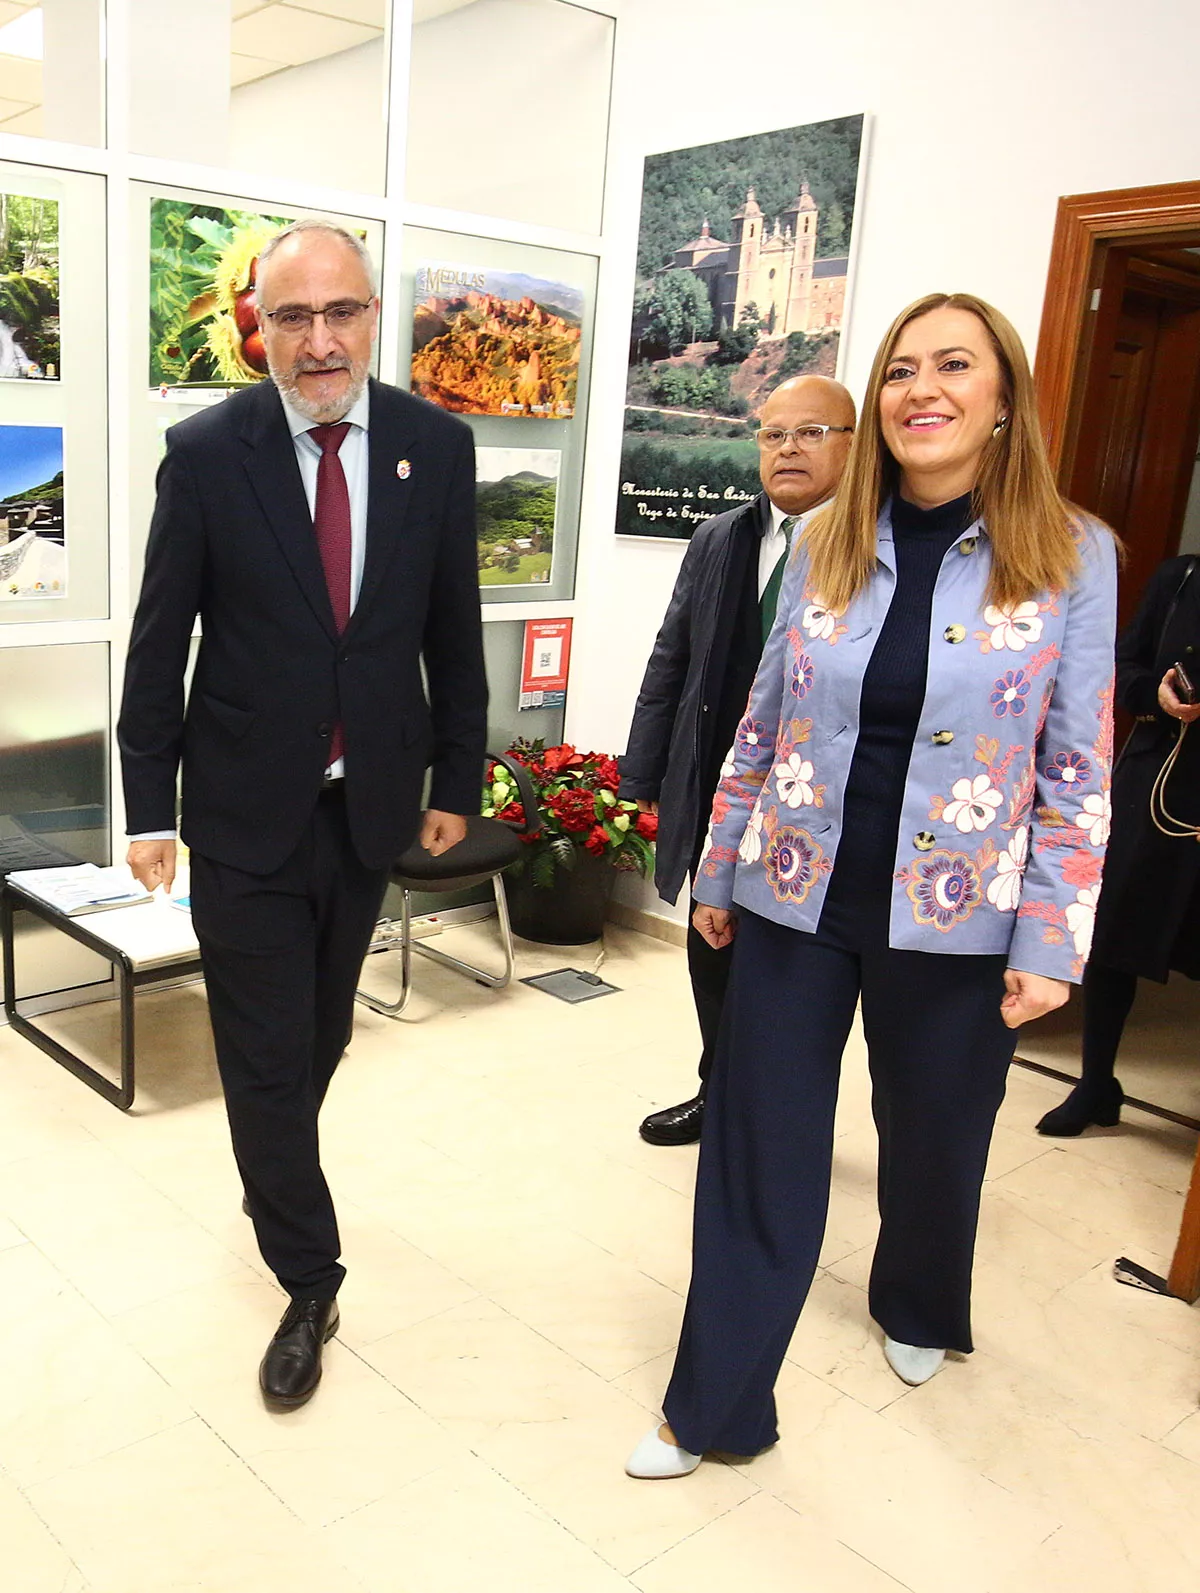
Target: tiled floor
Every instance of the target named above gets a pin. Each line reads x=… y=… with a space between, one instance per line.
x=517 y=1258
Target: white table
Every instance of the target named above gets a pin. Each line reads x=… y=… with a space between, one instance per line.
x=144 y=945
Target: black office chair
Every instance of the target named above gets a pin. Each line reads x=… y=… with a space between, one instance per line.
x=488 y=848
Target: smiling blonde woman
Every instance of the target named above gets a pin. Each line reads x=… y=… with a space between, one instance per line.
x=902 y=824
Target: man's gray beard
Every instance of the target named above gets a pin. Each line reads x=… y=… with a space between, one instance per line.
x=321 y=414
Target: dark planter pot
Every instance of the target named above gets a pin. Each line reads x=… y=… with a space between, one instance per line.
x=567 y=913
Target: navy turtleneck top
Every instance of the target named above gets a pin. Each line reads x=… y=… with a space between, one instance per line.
x=893 y=695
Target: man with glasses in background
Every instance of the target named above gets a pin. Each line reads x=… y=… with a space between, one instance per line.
x=703 y=664
x=322 y=525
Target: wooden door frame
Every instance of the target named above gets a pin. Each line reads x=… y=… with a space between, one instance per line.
x=1085 y=225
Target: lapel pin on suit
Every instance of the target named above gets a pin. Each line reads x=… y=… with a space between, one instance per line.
x=403 y=469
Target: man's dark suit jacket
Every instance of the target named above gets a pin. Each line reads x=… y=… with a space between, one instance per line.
x=696 y=685
x=232 y=540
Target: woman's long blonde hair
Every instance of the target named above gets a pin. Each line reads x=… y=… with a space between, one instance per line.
x=1027 y=520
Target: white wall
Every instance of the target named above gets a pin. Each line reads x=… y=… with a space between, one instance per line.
x=983 y=115
x=322 y=122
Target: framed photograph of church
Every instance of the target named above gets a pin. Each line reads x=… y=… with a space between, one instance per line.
x=744 y=262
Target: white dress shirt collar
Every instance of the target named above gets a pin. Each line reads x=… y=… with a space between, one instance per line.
x=358 y=414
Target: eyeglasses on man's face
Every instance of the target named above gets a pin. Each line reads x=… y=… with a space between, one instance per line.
x=340 y=316
x=771 y=438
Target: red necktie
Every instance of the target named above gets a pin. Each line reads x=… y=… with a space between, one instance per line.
x=331 y=522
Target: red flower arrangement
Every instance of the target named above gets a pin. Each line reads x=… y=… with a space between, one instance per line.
x=579 y=808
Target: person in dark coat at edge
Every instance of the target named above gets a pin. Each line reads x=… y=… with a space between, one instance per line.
x=1148 y=917
x=703 y=665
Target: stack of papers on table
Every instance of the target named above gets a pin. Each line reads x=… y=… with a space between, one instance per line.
x=82 y=889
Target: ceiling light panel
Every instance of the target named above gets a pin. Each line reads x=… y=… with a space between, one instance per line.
x=371 y=13
x=22 y=35
x=20 y=80
x=249 y=68
x=284 y=33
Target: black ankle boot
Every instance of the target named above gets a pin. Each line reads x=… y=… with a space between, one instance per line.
x=1087 y=1104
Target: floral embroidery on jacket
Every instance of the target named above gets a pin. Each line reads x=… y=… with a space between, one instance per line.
x=1009 y=693
x=750 y=846
x=794 y=783
x=970 y=806
x=944 y=888
x=801 y=676
x=974 y=805
x=1096 y=817
x=1012 y=629
x=821 y=624
x=1069 y=770
x=1081 y=920
x=1004 y=891
x=793 y=863
x=751 y=734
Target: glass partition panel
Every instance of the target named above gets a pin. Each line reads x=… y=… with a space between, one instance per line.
x=501 y=333
x=296 y=91
x=53 y=399
x=503 y=649
x=52 y=69
x=508 y=109
x=54 y=740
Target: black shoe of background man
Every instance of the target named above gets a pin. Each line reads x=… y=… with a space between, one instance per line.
x=291 y=1368
x=675 y=1125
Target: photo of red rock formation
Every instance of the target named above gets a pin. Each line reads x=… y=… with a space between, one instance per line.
x=496 y=343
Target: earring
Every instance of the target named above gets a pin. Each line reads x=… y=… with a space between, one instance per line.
x=1000 y=425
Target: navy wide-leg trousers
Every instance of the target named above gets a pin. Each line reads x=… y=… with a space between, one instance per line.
x=939 y=1054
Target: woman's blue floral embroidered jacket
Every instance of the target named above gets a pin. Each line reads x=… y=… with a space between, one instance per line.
x=1006 y=805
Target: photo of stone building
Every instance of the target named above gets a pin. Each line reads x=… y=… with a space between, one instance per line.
x=770 y=269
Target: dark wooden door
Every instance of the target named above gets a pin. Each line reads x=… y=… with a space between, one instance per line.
x=1139 y=423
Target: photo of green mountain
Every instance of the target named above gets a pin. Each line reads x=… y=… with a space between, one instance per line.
x=516 y=499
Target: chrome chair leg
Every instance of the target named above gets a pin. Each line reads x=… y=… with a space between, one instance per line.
x=393 y=1009
x=408 y=945
x=492 y=981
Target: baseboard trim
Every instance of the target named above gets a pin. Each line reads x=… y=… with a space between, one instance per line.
x=652 y=924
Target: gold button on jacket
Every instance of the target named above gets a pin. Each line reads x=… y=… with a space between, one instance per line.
x=924 y=841
x=955 y=633
x=942 y=738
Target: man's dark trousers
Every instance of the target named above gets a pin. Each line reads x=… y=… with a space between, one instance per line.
x=282 y=954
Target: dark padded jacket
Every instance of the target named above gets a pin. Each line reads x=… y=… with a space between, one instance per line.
x=696 y=685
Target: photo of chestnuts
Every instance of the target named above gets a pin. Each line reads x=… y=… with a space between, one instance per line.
x=203 y=261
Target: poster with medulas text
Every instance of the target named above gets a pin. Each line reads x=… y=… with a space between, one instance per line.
x=491 y=342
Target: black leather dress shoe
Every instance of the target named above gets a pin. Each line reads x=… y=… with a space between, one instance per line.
x=246 y=1205
x=291 y=1368
x=675 y=1125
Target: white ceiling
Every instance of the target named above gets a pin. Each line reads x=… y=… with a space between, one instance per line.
x=267 y=36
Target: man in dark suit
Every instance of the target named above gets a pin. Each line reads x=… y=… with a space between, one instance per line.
x=703 y=665
x=322 y=525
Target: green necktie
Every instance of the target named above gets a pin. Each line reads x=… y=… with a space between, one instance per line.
x=769 y=601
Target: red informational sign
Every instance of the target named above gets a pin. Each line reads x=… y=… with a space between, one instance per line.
x=546 y=663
